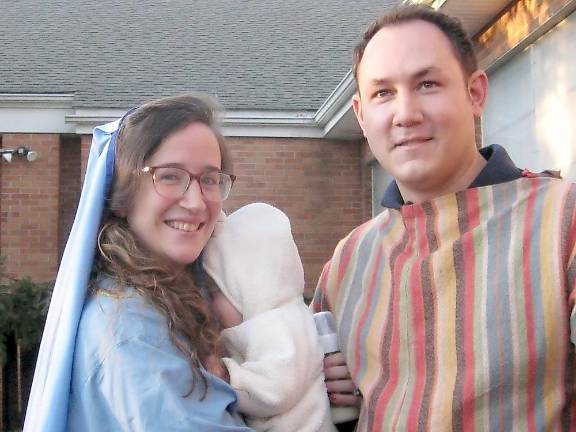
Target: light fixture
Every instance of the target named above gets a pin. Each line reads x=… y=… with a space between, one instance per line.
x=22 y=151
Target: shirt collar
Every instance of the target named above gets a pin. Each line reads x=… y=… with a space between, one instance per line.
x=498 y=169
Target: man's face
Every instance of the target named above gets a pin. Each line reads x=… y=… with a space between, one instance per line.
x=415 y=106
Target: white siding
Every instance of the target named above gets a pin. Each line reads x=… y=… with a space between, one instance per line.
x=531 y=107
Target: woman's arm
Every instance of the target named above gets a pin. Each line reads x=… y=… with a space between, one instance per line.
x=129 y=376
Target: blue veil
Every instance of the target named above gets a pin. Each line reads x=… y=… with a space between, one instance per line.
x=48 y=403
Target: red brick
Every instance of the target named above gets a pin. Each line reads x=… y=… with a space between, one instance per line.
x=323 y=186
x=29 y=203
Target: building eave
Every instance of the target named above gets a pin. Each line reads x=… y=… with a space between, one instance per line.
x=32 y=100
x=55 y=113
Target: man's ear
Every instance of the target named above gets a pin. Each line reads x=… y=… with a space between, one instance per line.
x=478 y=91
x=357 y=106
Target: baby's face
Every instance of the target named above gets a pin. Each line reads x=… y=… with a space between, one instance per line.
x=225 y=311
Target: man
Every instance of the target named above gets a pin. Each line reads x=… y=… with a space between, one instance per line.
x=455 y=306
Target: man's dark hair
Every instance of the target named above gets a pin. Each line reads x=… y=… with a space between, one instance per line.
x=450 y=26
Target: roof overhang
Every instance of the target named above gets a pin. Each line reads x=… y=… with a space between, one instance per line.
x=335 y=119
x=56 y=113
x=474 y=14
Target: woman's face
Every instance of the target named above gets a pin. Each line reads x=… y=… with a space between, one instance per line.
x=178 y=228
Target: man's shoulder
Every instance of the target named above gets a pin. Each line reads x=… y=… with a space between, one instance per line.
x=545 y=183
x=365 y=233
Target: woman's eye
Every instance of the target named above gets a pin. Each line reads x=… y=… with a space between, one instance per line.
x=209 y=180
x=169 y=177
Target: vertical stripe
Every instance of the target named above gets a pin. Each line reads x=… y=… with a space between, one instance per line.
x=347 y=253
x=389 y=348
x=429 y=296
x=405 y=358
x=537 y=304
x=445 y=336
x=500 y=344
x=454 y=314
x=459 y=267
x=482 y=279
x=468 y=391
x=553 y=310
x=529 y=311
x=359 y=302
x=417 y=326
x=517 y=317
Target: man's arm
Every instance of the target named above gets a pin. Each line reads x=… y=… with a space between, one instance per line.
x=341 y=389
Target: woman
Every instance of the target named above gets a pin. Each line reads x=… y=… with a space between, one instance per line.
x=146 y=338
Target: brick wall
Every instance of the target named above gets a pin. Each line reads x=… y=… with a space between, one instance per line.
x=513 y=26
x=367 y=158
x=317 y=183
x=70 y=171
x=85 y=143
x=323 y=186
x=29 y=207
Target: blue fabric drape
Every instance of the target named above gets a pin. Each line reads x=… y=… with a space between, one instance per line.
x=48 y=402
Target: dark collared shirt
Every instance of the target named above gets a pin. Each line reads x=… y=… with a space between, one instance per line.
x=498 y=169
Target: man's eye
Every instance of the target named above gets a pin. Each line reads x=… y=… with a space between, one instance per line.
x=428 y=84
x=384 y=93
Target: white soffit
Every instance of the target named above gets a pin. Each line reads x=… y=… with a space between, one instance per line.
x=55 y=113
x=475 y=14
x=35 y=113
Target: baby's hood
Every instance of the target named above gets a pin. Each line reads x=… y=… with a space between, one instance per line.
x=254 y=260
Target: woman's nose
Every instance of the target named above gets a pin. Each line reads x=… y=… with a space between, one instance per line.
x=193 y=197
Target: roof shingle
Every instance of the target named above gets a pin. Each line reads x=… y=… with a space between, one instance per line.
x=251 y=54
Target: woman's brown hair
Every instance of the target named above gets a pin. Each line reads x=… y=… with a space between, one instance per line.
x=177 y=295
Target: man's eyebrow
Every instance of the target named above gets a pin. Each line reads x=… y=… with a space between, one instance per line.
x=379 y=81
x=423 y=72
x=416 y=75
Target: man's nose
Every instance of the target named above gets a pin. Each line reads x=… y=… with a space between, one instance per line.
x=408 y=110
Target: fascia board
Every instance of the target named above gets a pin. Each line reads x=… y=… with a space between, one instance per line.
x=59 y=116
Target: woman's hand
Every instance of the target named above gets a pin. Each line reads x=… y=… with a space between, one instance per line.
x=341 y=389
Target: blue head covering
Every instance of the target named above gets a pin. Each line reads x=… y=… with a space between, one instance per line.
x=48 y=404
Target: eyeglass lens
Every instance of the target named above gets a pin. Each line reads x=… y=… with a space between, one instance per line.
x=172 y=182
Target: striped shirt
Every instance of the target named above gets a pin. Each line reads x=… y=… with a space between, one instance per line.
x=458 y=313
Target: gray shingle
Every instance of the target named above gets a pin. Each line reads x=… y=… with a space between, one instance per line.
x=251 y=54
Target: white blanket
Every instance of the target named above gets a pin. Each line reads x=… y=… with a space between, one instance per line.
x=275 y=362
x=276 y=369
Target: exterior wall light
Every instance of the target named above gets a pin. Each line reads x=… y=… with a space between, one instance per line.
x=7 y=154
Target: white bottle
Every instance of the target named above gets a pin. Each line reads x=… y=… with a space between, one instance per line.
x=326 y=329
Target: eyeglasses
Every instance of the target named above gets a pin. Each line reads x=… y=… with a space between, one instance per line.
x=172 y=182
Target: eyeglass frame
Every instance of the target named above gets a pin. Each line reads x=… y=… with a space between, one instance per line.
x=151 y=170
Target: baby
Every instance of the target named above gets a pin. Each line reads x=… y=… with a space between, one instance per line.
x=275 y=362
